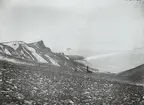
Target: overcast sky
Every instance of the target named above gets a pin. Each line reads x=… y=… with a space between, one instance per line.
x=87 y=25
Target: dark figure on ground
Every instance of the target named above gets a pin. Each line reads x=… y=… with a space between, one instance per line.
x=4 y=66
x=88 y=69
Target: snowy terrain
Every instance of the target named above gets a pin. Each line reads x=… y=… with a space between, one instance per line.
x=118 y=62
x=21 y=53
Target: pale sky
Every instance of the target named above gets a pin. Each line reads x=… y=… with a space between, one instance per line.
x=83 y=25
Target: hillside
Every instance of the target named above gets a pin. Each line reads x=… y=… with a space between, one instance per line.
x=37 y=86
x=120 y=62
x=135 y=75
x=23 y=53
x=53 y=79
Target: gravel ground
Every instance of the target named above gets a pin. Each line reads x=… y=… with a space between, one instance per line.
x=45 y=87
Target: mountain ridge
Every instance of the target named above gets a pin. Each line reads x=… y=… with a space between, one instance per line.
x=36 y=52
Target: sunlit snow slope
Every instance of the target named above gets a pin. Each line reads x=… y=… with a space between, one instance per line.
x=37 y=52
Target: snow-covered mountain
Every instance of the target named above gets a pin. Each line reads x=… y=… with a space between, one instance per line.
x=34 y=51
x=17 y=51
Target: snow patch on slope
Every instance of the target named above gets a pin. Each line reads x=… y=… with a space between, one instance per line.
x=101 y=56
x=7 y=52
x=14 y=45
x=38 y=57
x=13 y=60
x=53 y=61
x=67 y=57
x=30 y=56
x=1 y=46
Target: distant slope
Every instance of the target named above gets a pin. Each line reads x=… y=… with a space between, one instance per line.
x=134 y=75
x=11 y=59
x=21 y=52
x=119 y=62
x=34 y=51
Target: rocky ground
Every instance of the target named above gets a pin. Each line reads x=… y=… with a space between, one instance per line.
x=46 y=87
